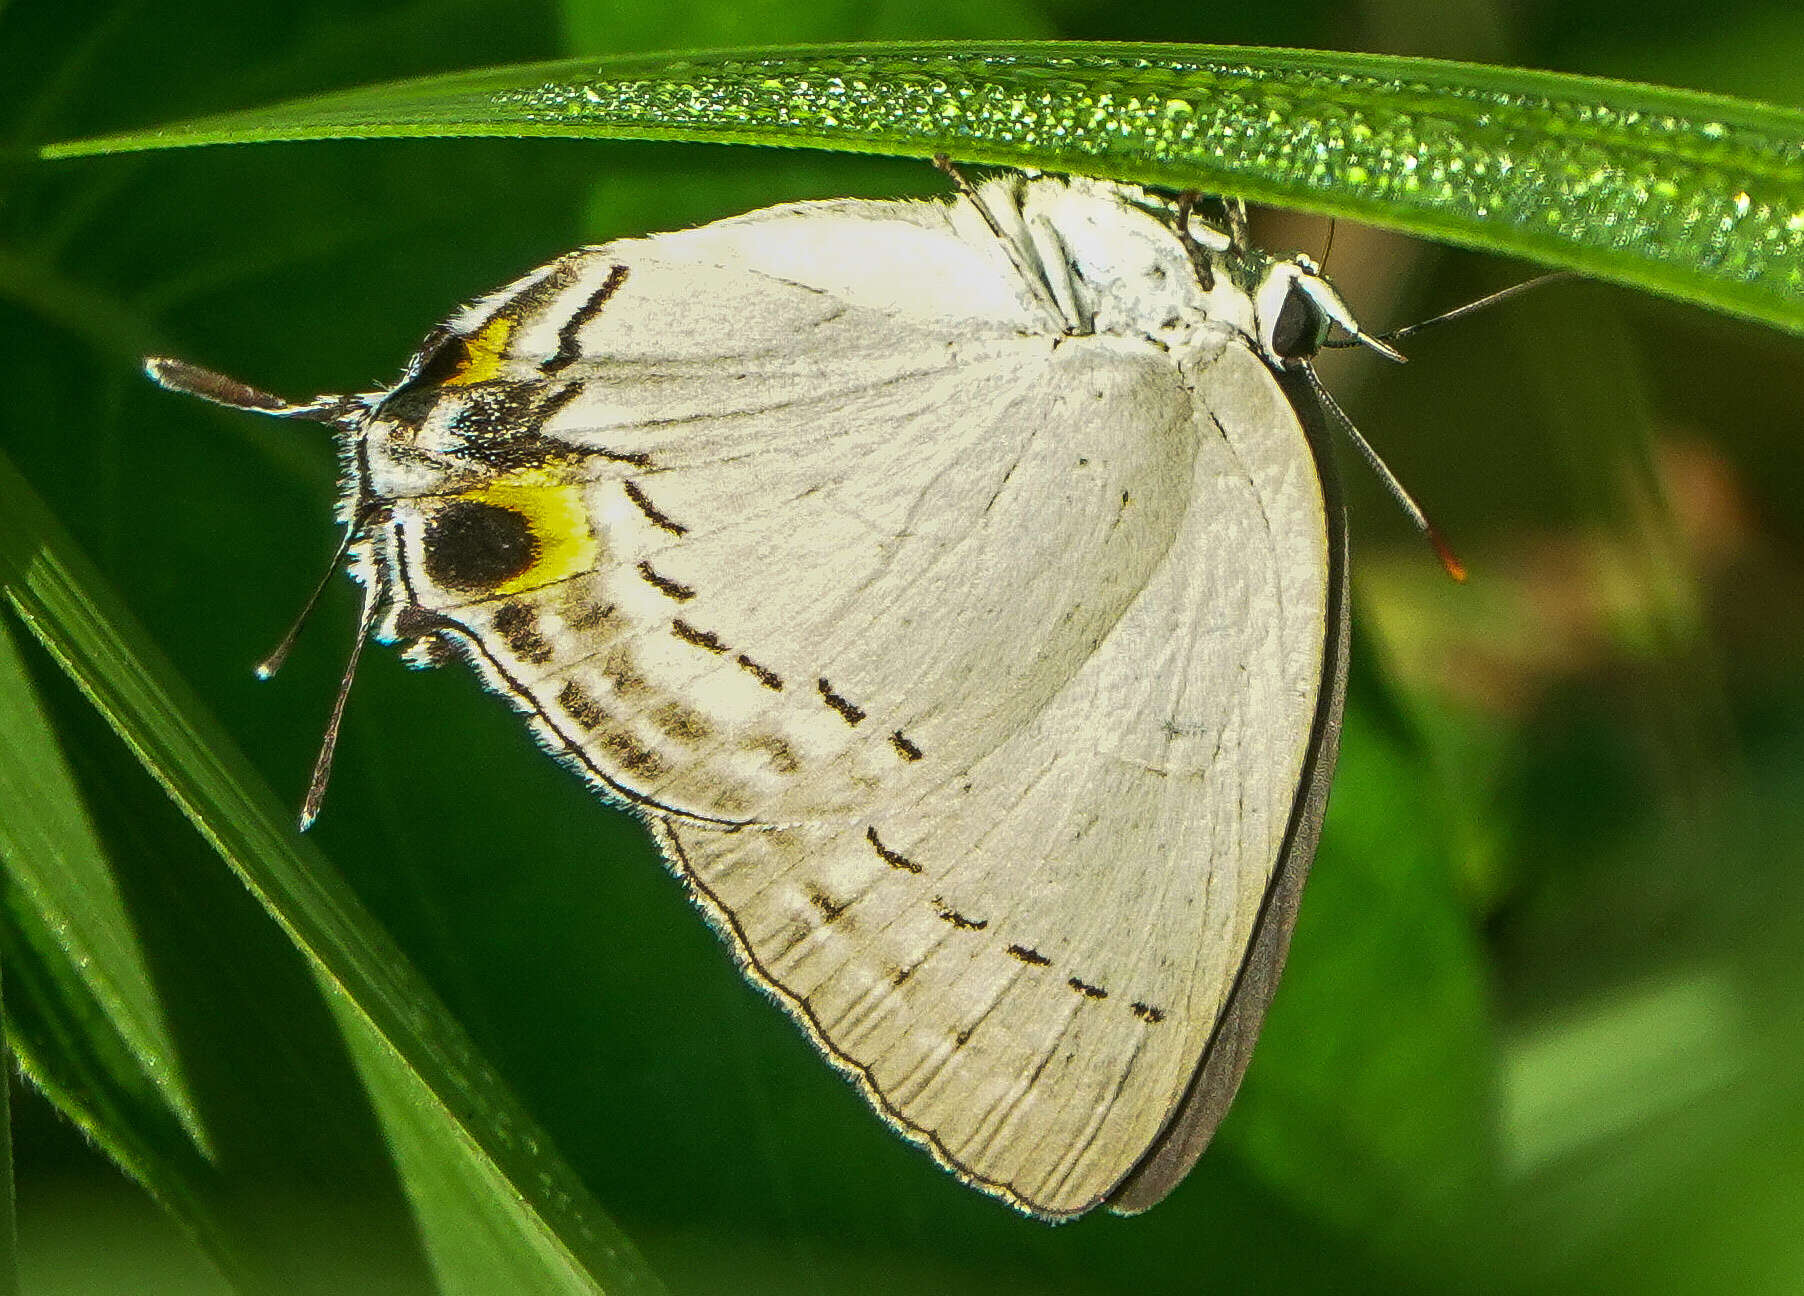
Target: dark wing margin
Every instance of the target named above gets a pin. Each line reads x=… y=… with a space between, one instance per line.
x=1187 y=1134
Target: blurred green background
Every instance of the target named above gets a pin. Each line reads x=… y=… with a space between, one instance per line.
x=1543 y=1027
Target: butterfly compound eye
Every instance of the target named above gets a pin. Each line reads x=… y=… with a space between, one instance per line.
x=474 y=545
x=1301 y=326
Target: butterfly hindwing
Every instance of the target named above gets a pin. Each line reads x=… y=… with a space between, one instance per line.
x=1024 y=962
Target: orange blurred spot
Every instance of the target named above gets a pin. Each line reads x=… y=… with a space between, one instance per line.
x=1449 y=559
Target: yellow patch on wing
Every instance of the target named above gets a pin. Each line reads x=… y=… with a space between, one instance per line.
x=484 y=349
x=559 y=518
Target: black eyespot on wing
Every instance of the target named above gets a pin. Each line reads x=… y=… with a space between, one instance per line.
x=472 y=545
x=1301 y=327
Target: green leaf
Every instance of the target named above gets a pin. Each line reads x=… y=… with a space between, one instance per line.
x=1696 y=196
x=9 y=1231
x=495 y=1209
x=1382 y=936
x=59 y=876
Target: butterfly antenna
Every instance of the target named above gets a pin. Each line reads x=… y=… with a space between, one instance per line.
x=210 y=385
x=1449 y=560
x=1327 y=245
x=344 y=411
x=278 y=655
x=1460 y=312
x=328 y=746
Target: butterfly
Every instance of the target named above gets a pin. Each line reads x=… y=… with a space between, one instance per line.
x=957 y=590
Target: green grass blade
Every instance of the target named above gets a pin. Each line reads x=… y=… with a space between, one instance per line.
x=84 y=1019
x=60 y=876
x=1695 y=196
x=473 y=1165
x=9 y=1215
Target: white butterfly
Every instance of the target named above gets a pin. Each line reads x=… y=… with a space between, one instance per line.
x=958 y=591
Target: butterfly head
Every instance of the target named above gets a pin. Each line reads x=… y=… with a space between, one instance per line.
x=1295 y=307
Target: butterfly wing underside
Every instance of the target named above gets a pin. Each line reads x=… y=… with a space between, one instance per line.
x=971 y=674
x=1217 y=1078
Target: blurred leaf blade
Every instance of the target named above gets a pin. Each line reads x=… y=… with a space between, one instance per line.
x=1338 y=1125
x=57 y=867
x=472 y=1161
x=9 y=1214
x=1699 y=197
x=84 y=1021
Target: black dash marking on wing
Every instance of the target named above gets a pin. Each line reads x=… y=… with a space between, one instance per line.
x=637 y=458
x=763 y=674
x=781 y=755
x=700 y=638
x=888 y=856
x=850 y=714
x=798 y=932
x=963 y=1037
x=683 y=723
x=1032 y=957
x=829 y=907
x=1087 y=990
x=581 y=705
x=948 y=914
x=664 y=585
x=582 y=613
x=623 y=673
x=569 y=349
x=1146 y=1012
x=901 y=975
x=632 y=755
x=627 y=751
x=907 y=750
x=518 y=625
x=645 y=506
